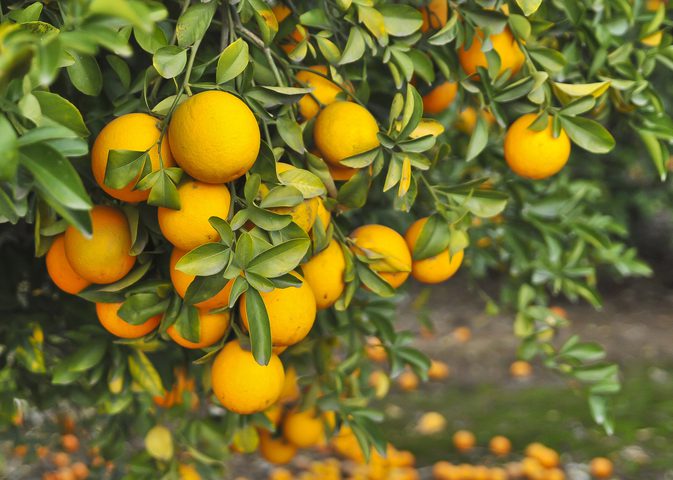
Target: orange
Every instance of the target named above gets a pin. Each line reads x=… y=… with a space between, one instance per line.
x=323 y=214
x=290 y=392
x=60 y=271
x=61 y=459
x=274 y=413
x=431 y=423
x=467 y=119
x=344 y=129
x=388 y=250
x=241 y=384
x=440 y=98
x=375 y=350
x=324 y=90
x=214 y=137
x=281 y=11
x=212 y=328
x=547 y=457
x=275 y=450
x=113 y=323
x=464 y=440
x=324 y=272
x=438 y=370
x=188 y=472
x=105 y=257
x=504 y=44
x=80 y=470
x=520 y=369
x=554 y=474
x=291 y=312
x=188 y=227
x=435 y=15
x=306 y=429
x=500 y=445
x=437 y=268
x=535 y=155
x=340 y=173
x=70 y=442
x=462 y=334
x=133 y=131
x=408 y=381
x=443 y=470
x=601 y=467
x=182 y=280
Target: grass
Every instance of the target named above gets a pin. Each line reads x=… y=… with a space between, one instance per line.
x=553 y=414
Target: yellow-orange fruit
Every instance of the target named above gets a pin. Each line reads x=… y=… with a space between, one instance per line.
x=188 y=227
x=60 y=271
x=375 y=241
x=438 y=370
x=504 y=44
x=535 y=155
x=291 y=312
x=306 y=428
x=182 y=280
x=464 y=440
x=214 y=136
x=500 y=445
x=105 y=257
x=440 y=98
x=241 y=384
x=113 y=323
x=601 y=467
x=290 y=392
x=435 y=15
x=324 y=273
x=435 y=269
x=136 y=132
x=324 y=90
x=212 y=328
x=276 y=450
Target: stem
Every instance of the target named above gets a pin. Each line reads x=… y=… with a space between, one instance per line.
x=430 y=188
x=190 y=65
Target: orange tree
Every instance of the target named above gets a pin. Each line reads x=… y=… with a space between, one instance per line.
x=231 y=195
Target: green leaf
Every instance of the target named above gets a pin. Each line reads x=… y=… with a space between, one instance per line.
x=306 y=182
x=400 y=20
x=291 y=133
x=150 y=41
x=192 y=24
x=187 y=323
x=140 y=307
x=282 y=197
x=232 y=61
x=433 y=239
x=164 y=192
x=478 y=140
x=258 y=325
x=31 y=13
x=55 y=174
x=170 y=61
x=588 y=134
x=85 y=74
x=224 y=229
x=279 y=259
x=328 y=49
x=82 y=360
x=239 y=287
x=355 y=47
x=204 y=260
x=529 y=7
x=124 y=167
x=353 y=193
x=9 y=152
x=61 y=111
x=551 y=60
x=143 y=372
x=373 y=281
x=204 y=288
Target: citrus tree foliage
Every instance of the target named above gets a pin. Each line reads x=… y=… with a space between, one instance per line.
x=68 y=68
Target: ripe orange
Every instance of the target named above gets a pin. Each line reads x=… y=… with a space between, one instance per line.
x=504 y=44
x=554 y=474
x=275 y=450
x=464 y=440
x=42 y=452
x=241 y=384
x=105 y=257
x=601 y=467
x=188 y=472
x=388 y=250
x=324 y=272
x=274 y=413
x=431 y=423
x=520 y=369
x=113 y=323
x=535 y=155
x=214 y=137
x=290 y=392
x=435 y=15
x=340 y=173
x=440 y=98
x=133 y=131
x=291 y=312
x=408 y=381
x=375 y=350
x=324 y=90
x=344 y=129
x=182 y=280
x=212 y=328
x=462 y=334
x=306 y=428
x=438 y=370
x=500 y=445
x=60 y=271
x=467 y=119
x=281 y=11
x=80 y=470
x=437 y=268
x=443 y=470
x=70 y=442
x=188 y=227
x=60 y=459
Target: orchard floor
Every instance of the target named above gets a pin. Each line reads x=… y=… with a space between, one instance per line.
x=635 y=325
